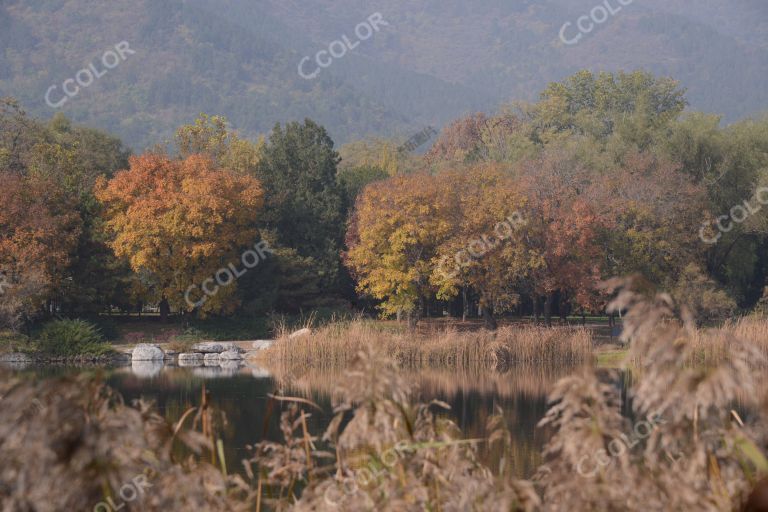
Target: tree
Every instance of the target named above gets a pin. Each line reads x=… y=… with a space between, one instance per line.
x=377 y=152
x=39 y=229
x=304 y=201
x=708 y=303
x=211 y=136
x=633 y=106
x=485 y=250
x=394 y=233
x=562 y=229
x=178 y=222
x=354 y=179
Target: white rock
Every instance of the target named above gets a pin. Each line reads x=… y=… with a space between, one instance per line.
x=230 y=356
x=211 y=359
x=208 y=347
x=230 y=367
x=147 y=352
x=230 y=346
x=262 y=344
x=301 y=332
x=190 y=359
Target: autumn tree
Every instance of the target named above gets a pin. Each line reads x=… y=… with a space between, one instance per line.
x=652 y=213
x=562 y=230
x=485 y=250
x=178 y=222
x=212 y=136
x=394 y=234
x=39 y=229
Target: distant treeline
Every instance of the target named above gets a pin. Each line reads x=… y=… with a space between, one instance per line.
x=523 y=211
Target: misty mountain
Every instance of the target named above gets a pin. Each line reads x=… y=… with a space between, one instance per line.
x=431 y=62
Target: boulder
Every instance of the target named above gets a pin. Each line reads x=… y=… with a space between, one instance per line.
x=230 y=367
x=262 y=344
x=301 y=332
x=170 y=354
x=211 y=359
x=230 y=355
x=190 y=359
x=15 y=357
x=147 y=352
x=230 y=346
x=208 y=347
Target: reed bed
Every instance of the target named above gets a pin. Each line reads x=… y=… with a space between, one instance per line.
x=712 y=345
x=336 y=345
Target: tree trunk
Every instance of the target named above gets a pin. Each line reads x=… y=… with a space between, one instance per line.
x=489 y=320
x=536 y=310
x=413 y=319
x=548 y=309
x=165 y=310
x=583 y=317
x=464 y=304
x=564 y=307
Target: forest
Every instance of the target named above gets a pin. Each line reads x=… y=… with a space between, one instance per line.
x=605 y=175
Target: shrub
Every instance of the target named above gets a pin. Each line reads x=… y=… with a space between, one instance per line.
x=11 y=341
x=72 y=337
x=707 y=302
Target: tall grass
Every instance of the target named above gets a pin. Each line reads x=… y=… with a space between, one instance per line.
x=336 y=345
x=713 y=345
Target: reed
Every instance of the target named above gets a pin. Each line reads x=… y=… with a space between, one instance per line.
x=712 y=345
x=336 y=345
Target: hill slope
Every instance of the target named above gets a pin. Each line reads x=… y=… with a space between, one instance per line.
x=434 y=61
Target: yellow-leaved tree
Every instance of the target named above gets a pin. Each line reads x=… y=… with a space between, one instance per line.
x=487 y=250
x=179 y=221
x=394 y=233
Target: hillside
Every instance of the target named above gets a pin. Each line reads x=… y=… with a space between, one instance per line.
x=430 y=64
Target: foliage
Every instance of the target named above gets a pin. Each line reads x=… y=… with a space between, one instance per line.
x=393 y=238
x=304 y=203
x=707 y=301
x=211 y=136
x=67 y=337
x=355 y=179
x=178 y=222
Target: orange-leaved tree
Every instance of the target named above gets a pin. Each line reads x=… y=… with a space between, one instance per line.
x=178 y=222
x=563 y=227
x=39 y=228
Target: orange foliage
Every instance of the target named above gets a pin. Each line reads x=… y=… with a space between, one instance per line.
x=178 y=221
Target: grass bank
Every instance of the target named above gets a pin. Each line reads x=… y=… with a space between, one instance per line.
x=336 y=345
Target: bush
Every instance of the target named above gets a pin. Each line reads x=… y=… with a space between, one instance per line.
x=708 y=302
x=71 y=338
x=11 y=341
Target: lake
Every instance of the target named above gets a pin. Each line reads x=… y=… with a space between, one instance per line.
x=242 y=392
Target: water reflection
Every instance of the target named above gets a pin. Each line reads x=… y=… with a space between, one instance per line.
x=241 y=392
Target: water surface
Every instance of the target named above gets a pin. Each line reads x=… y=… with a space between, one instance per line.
x=242 y=393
